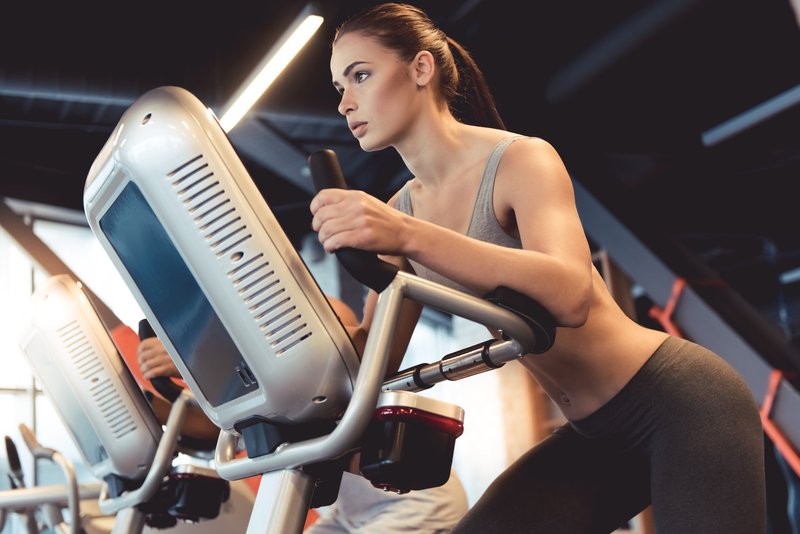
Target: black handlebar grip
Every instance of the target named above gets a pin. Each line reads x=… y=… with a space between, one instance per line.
x=163 y=384
x=325 y=170
x=534 y=314
x=364 y=266
x=13 y=458
x=145 y=330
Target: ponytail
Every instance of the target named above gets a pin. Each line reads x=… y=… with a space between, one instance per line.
x=473 y=103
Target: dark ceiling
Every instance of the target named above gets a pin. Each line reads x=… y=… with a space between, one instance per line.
x=623 y=89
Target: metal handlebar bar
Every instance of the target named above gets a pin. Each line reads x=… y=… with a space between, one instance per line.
x=161 y=462
x=73 y=498
x=371 y=375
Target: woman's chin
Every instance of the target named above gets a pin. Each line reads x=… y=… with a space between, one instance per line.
x=368 y=146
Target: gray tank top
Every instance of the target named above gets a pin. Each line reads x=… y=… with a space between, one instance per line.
x=483 y=224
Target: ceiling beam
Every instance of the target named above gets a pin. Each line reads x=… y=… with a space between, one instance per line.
x=251 y=137
x=615 y=45
x=752 y=117
x=264 y=146
x=61 y=94
x=463 y=10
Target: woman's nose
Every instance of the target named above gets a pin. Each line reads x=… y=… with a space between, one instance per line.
x=346 y=105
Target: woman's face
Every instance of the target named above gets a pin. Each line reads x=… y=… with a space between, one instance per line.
x=379 y=97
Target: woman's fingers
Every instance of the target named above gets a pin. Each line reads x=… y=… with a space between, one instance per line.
x=161 y=370
x=327 y=197
x=333 y=204
x=154 y=360
x=354 y=219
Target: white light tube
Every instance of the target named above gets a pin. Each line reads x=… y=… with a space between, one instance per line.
x=751 y=117
x=270 y=67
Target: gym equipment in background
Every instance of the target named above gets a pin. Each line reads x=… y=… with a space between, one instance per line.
x=40 y=507
x=108 y=417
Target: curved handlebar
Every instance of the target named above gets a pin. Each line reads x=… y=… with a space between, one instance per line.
x=33 y=444
x=163 y=384
x=56 y=457
x=362 y=265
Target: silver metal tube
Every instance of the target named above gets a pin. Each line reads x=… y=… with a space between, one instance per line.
x=128 y=521
x=402 y=381
x=431 y=374
x=505 y=351
x=51 y=515
x=456 y=366
x=469 y=307
x=282 y=503
x=73 y=498
x=468 y=363
x=58 y=495
x=290 y=504
x=161 y=462
x=355 y=418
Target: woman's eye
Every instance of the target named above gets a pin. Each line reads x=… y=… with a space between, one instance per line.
x=361 y=76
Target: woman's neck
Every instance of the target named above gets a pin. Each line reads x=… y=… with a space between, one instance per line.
x=433 y=148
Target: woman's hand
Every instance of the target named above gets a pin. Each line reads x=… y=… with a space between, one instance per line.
x=358 y=220
x=154 y=360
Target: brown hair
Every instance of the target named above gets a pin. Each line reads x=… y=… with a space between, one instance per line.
x=407 y=30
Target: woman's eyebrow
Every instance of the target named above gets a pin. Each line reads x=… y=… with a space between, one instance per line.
x=351 y=65
x=348 y=69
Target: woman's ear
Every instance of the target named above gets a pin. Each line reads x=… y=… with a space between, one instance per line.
x=424 y=68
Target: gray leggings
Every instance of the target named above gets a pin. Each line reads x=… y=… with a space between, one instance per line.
x=684 y=434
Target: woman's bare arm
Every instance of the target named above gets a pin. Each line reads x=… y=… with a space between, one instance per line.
x=554 y=267
x=358 y=332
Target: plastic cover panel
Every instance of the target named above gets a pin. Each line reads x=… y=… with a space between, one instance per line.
x=224 y=230
x=90 y=367
x=67 y=405
x=87 y=381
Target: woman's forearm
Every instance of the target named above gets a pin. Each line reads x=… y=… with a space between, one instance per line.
x=563 y=287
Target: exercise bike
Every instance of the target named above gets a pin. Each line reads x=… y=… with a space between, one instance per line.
x=108 y=417
x=251 y=332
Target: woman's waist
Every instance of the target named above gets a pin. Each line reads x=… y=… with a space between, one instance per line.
x=582 y=373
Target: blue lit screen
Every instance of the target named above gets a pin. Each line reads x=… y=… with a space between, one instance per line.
x=174 y=296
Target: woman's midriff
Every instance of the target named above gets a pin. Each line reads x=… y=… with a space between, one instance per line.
x=587 y=366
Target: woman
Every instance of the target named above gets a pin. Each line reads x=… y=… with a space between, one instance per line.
x=652 y=418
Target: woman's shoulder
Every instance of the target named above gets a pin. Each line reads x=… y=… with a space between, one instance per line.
x=530 y=164
x=489 y=138
x=530 y=153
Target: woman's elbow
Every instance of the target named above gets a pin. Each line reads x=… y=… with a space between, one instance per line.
x=576 y=313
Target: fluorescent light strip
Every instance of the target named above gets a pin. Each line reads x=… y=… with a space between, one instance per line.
x=270 y=71
x=790 y=276
x=751 y=117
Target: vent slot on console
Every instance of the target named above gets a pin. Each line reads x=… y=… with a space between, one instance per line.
x=89 y=366
x=223 y=229
x=199 y=192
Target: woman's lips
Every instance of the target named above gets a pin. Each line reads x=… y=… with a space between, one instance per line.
x=358 y=128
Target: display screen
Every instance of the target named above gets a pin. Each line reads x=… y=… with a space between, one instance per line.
x=172 y=293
